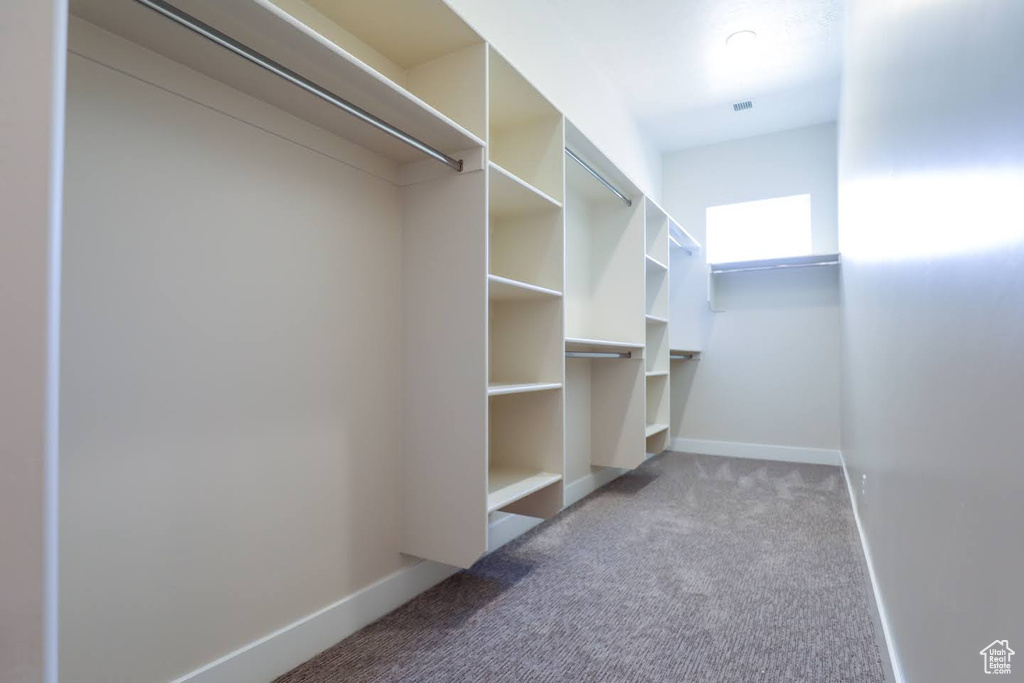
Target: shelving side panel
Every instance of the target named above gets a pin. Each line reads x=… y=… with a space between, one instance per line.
x=617 y=413
x=444 y=416
x=526 y=343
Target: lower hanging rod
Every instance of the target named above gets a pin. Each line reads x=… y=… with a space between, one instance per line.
x=600 y=178
x=597 y=354
x=225 y=41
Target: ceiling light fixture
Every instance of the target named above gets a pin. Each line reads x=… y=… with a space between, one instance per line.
x=741 y=40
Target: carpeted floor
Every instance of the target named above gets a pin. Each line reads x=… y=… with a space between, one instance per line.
x=691 y=568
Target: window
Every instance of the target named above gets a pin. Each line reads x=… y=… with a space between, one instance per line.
x=766 y=229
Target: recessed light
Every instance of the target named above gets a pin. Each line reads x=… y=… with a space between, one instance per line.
x=741 y=39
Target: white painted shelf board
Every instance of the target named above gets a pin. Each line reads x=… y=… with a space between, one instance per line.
x=680 y=238
x=506 y=289
x=656 y=319
x=599 y=345
x=504 y=389
x=266 y=28
x=506 y=485
x=512 y=196
x=653 y=429
x=655 y=263
x=658 y=373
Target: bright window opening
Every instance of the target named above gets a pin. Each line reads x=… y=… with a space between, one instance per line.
x=765 y=229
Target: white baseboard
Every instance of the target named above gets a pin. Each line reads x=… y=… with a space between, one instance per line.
x=883 y=614
x=508 y=527
x=281 y=651
x=589 y=483
x=757 y=451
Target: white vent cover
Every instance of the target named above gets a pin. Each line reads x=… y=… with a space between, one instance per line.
x=743 y=106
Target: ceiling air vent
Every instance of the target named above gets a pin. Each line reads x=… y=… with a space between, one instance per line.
x=743 y=106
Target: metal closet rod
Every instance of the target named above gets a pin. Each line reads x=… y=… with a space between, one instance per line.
x=681 y=356
x=597 y=354
x=215 y=36
x=600 y=178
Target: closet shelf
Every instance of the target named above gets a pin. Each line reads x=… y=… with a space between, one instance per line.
x=653 y=429
x=657 y=373
x=656 y=319
x=599 y=345
x=506 y=485
x=507 y=289
x=655 y=263
x=499 y=389
x=511 y=196
x=680 y=238
x=270 y=31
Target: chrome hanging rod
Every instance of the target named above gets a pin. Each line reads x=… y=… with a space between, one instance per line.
x=597 y=354
x=215 y=36
x=682 y=356
x=600 y=178
x=778 y=266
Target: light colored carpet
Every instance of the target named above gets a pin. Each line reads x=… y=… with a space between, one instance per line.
x=691 y=568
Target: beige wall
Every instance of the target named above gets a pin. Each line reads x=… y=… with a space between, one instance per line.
x=32 y=37
x=932 y=230
x=231 y=388
x=769 y=374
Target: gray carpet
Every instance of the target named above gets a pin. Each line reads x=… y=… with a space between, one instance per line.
x=691 y=568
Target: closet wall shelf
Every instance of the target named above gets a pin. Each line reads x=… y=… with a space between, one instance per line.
x=510 y=195
x=658 y=373
x=655 y=263
x=498 y=389
x=678 y=237
x=653 y=429
x=600 y=345
x=506 y=485
x=264 y=29
x=507 y=289
x=656 y=319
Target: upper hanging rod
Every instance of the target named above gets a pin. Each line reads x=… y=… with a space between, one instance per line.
x=212 y=34
x=777 y=266
x=597 y=354
x=600 y=178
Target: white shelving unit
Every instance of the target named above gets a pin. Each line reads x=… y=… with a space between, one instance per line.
x=498 y=269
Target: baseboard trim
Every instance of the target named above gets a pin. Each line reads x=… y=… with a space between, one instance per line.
x=281 y=651
x=588 y=483
x=883 y=614
x=758 y=451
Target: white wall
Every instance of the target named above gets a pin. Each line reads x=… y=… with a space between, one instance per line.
x=932 y=230
x=769 y=373
x=536 y=37
x=32 y=39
